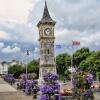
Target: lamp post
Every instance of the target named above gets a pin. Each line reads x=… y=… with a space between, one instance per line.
x=27 y=54
x=26 y=71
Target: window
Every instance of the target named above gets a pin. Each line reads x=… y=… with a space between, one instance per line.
x=48 y=51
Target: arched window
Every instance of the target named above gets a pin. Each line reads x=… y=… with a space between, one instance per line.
x=48 y=51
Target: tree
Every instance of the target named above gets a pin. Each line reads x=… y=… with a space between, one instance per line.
x=92 y=63
x=80 y=55
x=98 y=76
x=63 y=62
x=33 y=67
x=16 y=70
x=67 y=74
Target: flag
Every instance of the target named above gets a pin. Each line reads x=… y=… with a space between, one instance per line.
x=76 y=43
x=58 y=46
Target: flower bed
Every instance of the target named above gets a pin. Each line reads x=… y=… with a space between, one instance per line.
x=50 y=87
x=9 y=78
x=82 y=86
x=28 y=86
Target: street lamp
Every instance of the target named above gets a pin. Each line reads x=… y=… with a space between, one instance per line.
x=27 y=54
x=26 y=71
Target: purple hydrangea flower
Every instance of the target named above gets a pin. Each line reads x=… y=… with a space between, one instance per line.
x=28 y=86
x=51 y=85
x=87 y=94
x=89 y=79
x=47 y=89
x=50 y=77
x=44 y=97
x=9 y=78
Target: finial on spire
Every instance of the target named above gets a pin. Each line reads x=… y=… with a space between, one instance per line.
x=45 y=2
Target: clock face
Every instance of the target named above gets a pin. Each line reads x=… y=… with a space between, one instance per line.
x=47 y=31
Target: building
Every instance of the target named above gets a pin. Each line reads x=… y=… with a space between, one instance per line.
x=46 y=28
x=14 y=62
x=5 y=65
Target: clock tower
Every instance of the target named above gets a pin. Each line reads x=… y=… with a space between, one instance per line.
x=46 y=39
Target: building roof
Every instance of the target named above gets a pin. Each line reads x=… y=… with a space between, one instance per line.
x=46 y=18
x=3 y=62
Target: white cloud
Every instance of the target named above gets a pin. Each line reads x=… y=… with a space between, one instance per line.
x=36 y=50
x=15 y=11
x=76 y=20
x=91 y=39
x=87 y=39
x=78 y=14
x=8 y=50
x=15 y=44
x=1 y=45
x=4 y=35
x=8 y=36
x=65 y=35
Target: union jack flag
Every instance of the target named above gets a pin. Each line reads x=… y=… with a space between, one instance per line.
x=74 y=42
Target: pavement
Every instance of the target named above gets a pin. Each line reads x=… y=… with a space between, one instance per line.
x=97 y=96
x=19 y=95
x=5 y=87
x=8 y=92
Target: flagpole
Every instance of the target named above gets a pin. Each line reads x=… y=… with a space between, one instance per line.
x=74 y=43
x=72 y=66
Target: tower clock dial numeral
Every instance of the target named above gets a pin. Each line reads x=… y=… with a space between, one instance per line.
x=47 y=31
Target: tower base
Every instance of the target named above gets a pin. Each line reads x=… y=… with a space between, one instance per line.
x=43 y=71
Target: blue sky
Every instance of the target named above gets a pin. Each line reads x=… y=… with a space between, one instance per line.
x=76 y=20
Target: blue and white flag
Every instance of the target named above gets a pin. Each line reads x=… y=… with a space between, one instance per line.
x=58 y=46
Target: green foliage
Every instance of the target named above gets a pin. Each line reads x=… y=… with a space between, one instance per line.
x=92 y=63
x=98 y=74
x=33 y=67
x=83 y=58
x=61 y=77
x=82 y=86
x=80 y=55
x=63 y=62
x=16 y=70
x=67 y=74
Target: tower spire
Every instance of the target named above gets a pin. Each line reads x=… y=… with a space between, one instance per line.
x=46 y=14
x=46 y=18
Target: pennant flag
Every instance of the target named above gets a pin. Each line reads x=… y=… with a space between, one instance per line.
x=58 y=46
x=76 y=43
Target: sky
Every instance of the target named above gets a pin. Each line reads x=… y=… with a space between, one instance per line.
x=76 y=20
